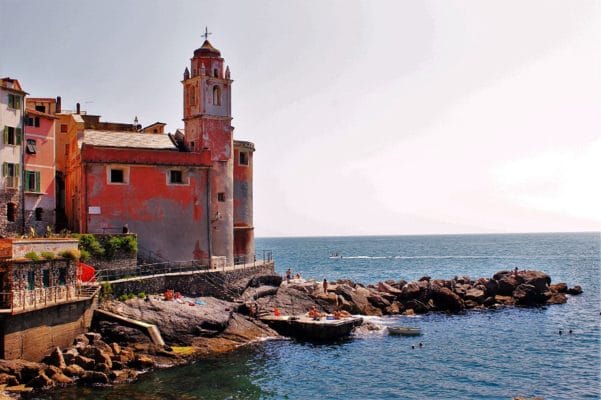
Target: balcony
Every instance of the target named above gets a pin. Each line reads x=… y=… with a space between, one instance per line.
x=18 y=301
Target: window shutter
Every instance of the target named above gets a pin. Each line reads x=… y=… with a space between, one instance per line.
x=17 y=170
x=5 y=169
x=26 y=180
x=37 y=181
x=6 y=135
x=18 y=102
x=18 y=136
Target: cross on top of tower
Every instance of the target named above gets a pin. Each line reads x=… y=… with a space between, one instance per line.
x=206 y=34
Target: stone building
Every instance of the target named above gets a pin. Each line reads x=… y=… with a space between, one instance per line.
x=12 y=100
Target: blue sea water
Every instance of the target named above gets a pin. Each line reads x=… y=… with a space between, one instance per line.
x=479 y=355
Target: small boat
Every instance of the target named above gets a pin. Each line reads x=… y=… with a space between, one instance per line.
x=404 y=331
x=335 y=254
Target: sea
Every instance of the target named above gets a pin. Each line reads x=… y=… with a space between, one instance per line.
x=498 y=354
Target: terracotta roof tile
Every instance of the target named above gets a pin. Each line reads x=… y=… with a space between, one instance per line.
x=127 y=139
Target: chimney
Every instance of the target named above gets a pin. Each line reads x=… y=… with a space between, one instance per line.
x=58 y=104
x=78 y=108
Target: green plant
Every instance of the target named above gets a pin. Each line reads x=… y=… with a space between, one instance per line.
x=48 y=255
x=131 y=296
x=141 y=295
x=107 y=291
x=32 y=255
x=84 y=254
x=130 y=243
x=71 y=254
x=91 y=245
x=123 y=297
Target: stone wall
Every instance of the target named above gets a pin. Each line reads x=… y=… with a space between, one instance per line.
x=8 y=228
x=32 y=335
x=197 y=283
x=24 y=246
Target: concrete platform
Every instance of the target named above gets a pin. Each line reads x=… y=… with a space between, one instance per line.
x=305 y=328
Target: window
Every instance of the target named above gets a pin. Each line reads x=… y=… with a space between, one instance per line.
x=117 y=176
x=216 y=95
x=11 y=172
x=39 y=211
x=32 y=181
x=221 y=196
x=14 y=101
x=46 y=277
x=192 y=145
x=62 y=276
x=63 y=128
x=12 y=135
x=31 y=146
x=216 y=73
x=40 y=108
x=36 y=122
x=11 y=209
x=175 y=176
x=30 y=280
x=243 y=158
x=29 y=121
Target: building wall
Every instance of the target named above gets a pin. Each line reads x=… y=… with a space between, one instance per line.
x=169 y=219
x=10 y=154
x=42 y=162
x=34 y=334
x=243 y=202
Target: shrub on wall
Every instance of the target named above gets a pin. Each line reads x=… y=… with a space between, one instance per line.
x=48 y=255
x=127 y=244
x=91 y=245
x=70 y=254
x=32 y=255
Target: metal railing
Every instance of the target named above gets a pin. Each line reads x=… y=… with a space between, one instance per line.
x=24 y=299
x=168 y=267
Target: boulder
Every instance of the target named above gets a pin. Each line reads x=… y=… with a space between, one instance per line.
x=378 y=301
x=56 y=358
x=538 y=279
x=94 y=377
x=69 y=355
x=501 y=274
x=116 y=348
x=471 y=304
x=61 y=379
x=410 y=291
x=556 y=298
x=445 y=299
x=74 y=370
x=124 y=376
x=492 y=287
x=84 y=362
x=81 y=339
x=417 y=306
x=559 y=288
x=41 y=382
x=394 y=308
x=143 y=361
x=476 y=295
x=576 y=290
x=527 y=295
x=505 y=300
x=8 y=380
x=424 y=278
x=409 y=312
x=507 y=284
x=93 y=336
x=104 y=368
x=265 y=280
x=386 y=288
x=115 y=332
x=21 y=369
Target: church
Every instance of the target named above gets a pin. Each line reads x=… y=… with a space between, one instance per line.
x=187 y=195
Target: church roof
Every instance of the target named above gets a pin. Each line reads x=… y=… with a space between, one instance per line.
x=207 y=50
x=128 y=139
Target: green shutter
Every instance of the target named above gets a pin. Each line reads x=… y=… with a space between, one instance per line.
x=18 y=136
x=5 y=169
x=6 y=135
x=37 y=181
x=17 y=170
x=18 y=102
x=26 y=180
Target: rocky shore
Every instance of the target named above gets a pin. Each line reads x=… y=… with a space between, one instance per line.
x=200 y=327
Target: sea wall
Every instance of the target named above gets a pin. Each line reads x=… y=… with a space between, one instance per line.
x=220 y=284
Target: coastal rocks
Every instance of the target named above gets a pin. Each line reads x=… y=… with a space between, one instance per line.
x=447 y=300
x=576 y=290
x=526 y=295
x=56 y=358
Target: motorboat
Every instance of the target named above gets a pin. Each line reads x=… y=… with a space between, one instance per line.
x=404 y=331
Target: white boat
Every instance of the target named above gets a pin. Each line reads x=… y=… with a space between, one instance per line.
x=404 y=331
x=335 y=254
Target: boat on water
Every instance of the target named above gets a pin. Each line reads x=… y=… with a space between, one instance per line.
x=305 y=328
x=335 y=254
x=404 y=331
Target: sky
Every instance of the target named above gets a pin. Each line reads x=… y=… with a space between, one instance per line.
x=369 y=117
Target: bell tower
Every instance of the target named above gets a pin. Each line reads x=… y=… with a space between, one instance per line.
x=207 y=120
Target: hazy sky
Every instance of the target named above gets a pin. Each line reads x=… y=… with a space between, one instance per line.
x=369 y=117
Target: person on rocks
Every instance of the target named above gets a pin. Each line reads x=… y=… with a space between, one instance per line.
x=325 y=286
x=515 y=272
x=288 y=275
x=297 y=276
x=313 y=313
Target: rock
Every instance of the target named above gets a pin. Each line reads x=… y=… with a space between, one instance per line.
x=526 y=295
x=52 y=370
x=505 y=300
x=475 y=295
x=253 y=293
x=94 y=377
x=116 y=348
x=378 y=301
x=84 y=362
x=347 y=282
x=559 y=288
x=143 y=361
x=69 y=355
x=424 y=278
x=114 y=332
x=410 y=291
x=409 y=312
x=501 y=274
x=103 y=357
x=62 y=379
x=104 y=368
x=93 y=337
x=56 y=358
x=576 y=290
x=538 y=279
x=9 y=380
x=556 y=298
x=18 y=389
x=463 y=280
x=358 y=302
x=265 y=280
x=385 y=287
x=417 y=306
x=445 y=299
x=74 y=370
x=492 y=287
x=507 y=284
x=21 y=369
x=489 y=301
x=124 y=376
x=471 y=304
x=41 y=382
x=81 y=339
x=394 y=308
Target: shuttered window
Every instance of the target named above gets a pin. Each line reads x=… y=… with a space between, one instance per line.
x=12 y=135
